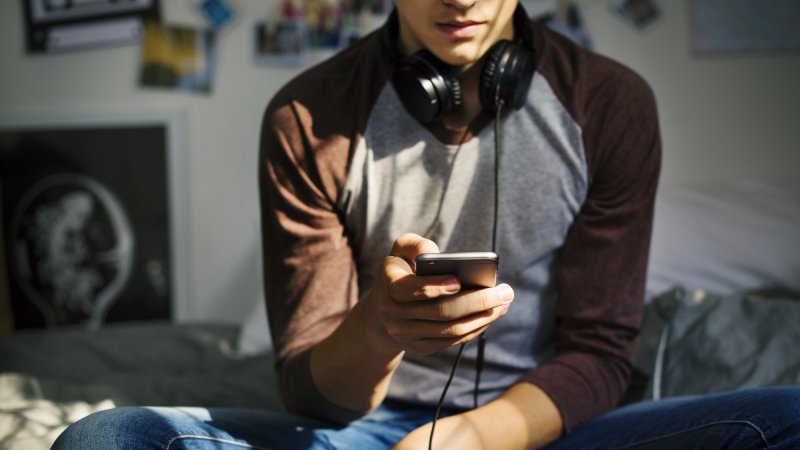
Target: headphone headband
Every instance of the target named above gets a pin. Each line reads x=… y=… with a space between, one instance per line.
x=429 y=90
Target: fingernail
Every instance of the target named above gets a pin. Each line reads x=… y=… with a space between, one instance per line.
x=507 y=294
x=451 y=285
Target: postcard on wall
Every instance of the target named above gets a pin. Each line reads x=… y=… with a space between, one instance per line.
x=218 y=13
x=300 y=26
x=177 y=57
x=281 y=42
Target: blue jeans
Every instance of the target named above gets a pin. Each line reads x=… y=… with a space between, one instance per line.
x=756 y=418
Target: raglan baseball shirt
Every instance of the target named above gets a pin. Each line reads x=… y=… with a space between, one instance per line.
x=344 y=170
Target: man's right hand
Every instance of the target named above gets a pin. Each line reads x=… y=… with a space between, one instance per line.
x=427 y=314
x=401 y=313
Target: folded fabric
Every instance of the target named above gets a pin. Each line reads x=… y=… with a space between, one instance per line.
x=697 y=342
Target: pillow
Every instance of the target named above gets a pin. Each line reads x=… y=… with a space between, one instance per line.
x=254 y=336
x=726 y=239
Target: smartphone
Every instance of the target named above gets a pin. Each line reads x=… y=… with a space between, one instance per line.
x=475 y=270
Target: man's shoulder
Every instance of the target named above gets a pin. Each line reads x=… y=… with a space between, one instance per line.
x=580 y=76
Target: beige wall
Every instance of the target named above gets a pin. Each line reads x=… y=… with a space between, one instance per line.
x=723 y=118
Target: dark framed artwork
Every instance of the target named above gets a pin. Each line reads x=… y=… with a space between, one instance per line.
x=89 y=219
x=718 y=26
x=59 y=25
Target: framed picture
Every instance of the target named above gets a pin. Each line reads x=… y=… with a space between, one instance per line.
x=94 y=214
x=718 y=26
x=6 y=319
x=59 y=25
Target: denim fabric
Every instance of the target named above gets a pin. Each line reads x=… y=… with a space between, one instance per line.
x=132 y=428
x=750 y=419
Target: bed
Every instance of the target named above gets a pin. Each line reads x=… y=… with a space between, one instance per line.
x=722 y=298
x=50 y=380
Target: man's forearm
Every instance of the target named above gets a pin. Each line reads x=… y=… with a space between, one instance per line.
x=353 y=366
x=522 y=418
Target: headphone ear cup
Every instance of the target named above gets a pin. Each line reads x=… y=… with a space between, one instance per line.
x=427 y=87
x=490 y=80
x=506 y=75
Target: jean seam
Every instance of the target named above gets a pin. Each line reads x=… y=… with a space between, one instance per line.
x=211 y=438
x=722 y=422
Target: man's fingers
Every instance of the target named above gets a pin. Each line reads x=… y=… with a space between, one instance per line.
x=466 y=304
x=428 y=336
x=409 y=245
x=455 y=329
x=403 y=286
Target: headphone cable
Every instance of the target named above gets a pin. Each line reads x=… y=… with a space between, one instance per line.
x=482 y=336
x=444 y=392
x=497 y=152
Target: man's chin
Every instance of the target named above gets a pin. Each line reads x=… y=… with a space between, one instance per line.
x=461 y=57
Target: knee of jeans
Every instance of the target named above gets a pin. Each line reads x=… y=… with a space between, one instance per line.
x=779 y=412
x=781 y=401
x=102 y=430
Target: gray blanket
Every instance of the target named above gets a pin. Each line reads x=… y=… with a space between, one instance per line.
x=51 y=379
x=692 y=342
x=697 y=342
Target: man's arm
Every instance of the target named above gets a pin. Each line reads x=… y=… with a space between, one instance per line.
x=401 y=313
x=602 y=266
x=524 y=417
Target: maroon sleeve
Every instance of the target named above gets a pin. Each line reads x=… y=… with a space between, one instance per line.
x=309 y=274
x=603 y=263
x=308 y=135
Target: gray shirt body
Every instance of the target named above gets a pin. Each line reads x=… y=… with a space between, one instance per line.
x=446 y=193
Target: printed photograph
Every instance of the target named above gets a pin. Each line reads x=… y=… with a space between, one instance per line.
x=85 y=223
x=178 y=58
x=284 y=42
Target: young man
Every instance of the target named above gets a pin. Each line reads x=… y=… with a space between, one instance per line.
x=358 y=167
x=379 y=155
x=349 y=170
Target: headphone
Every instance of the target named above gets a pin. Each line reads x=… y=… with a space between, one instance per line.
x=429 y=89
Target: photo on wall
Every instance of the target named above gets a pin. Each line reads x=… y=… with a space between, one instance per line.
x=319 y=25
x=282 y=42
x=727 y=26
x=177 y=57
x=85 y=215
